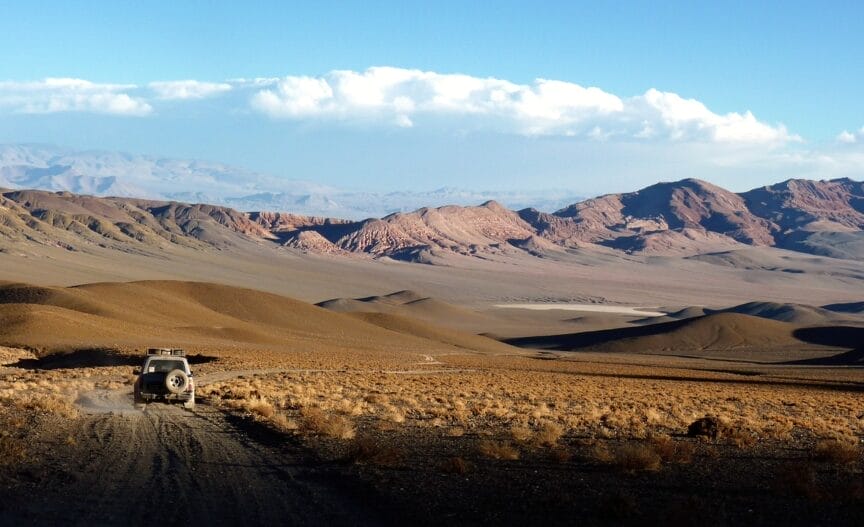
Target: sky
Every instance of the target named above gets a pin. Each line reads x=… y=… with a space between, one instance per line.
x=589 y=96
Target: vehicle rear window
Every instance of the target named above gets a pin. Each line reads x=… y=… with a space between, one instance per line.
x=164 y=366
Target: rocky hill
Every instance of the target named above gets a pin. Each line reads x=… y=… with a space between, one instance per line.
x=687 y=217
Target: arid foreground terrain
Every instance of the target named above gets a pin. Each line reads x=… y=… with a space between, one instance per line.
x=677 y=355
x=381 y=410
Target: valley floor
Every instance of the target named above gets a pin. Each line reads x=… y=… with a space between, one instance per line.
x=463 y=439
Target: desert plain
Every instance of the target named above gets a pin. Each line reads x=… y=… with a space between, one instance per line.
x=480 y=382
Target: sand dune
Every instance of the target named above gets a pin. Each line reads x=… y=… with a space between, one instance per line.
x=412 y=304
x=795 y=313
x=701 y=335
x=199 y=316
x=798 y=314
x=848 y=307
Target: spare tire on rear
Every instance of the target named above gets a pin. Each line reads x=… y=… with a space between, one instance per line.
x=176 y=381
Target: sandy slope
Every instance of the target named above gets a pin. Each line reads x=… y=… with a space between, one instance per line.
x=720 y=335
x=199 y=316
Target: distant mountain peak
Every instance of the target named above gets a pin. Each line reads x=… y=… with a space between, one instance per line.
x=684 y=217
x=103 y=174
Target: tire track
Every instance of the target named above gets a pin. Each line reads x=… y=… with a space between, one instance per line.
x=165 y=465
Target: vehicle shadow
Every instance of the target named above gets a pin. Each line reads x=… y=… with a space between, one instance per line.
x=92 y=358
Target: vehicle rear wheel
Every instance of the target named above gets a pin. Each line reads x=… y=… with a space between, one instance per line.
x=176 y=381
x=136 y=395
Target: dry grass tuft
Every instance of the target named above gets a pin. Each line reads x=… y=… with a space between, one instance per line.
x=456 y=465
x=498 y=450
x=335 y=426
x=740 y=437
x=49 y=404
x=639 y=456
x=368 y=450
x=549 y=433
x=560 y=455
x=12 y=450
x=601 y=454
x=671 y=451
x=262 y=408
x=455 y=431
x=521 y=433
x=834 y=451
x=283 y=423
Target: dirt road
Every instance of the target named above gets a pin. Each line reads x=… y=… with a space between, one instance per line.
x=165 y=465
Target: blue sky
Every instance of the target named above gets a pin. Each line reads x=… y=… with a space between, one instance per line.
x=796 y=66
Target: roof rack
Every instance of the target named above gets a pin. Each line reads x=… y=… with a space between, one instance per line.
x=174 y=352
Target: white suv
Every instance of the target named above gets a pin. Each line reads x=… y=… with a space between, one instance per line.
x=165 y=376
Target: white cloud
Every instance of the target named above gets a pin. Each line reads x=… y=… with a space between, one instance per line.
x=407 y=98
x=847 y=137
x=187 y=89
x=545 y=107
x=71 y=95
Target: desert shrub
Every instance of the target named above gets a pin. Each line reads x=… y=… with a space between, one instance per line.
x=498 y=450
x=283 y=423
x=560 y=455
x=261 y=408
x=638 y=456
x=834 y=451
x=601 y=454
x=455 y=431
x=740 y=437
x=335 y=426
x=386 y=426
x=395 y=415
x=671 y=451
x=709 y=426
x=50 y=404
x=12 y=450
x=367 y=449
x=456 y=465
x=521 y=433
x=549 y=433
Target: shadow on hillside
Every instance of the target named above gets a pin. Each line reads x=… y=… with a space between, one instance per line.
x=573 y=341
x=842 y=337
x=854 y=358
x=92 y=358
x=839 y=336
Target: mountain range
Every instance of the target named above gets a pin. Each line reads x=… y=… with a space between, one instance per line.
x=688 y=218
x=124 y=175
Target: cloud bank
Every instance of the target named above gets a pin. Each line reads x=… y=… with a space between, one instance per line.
x=401 y=97
x=850 y=138
x=187 y=89
x=71 y=95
